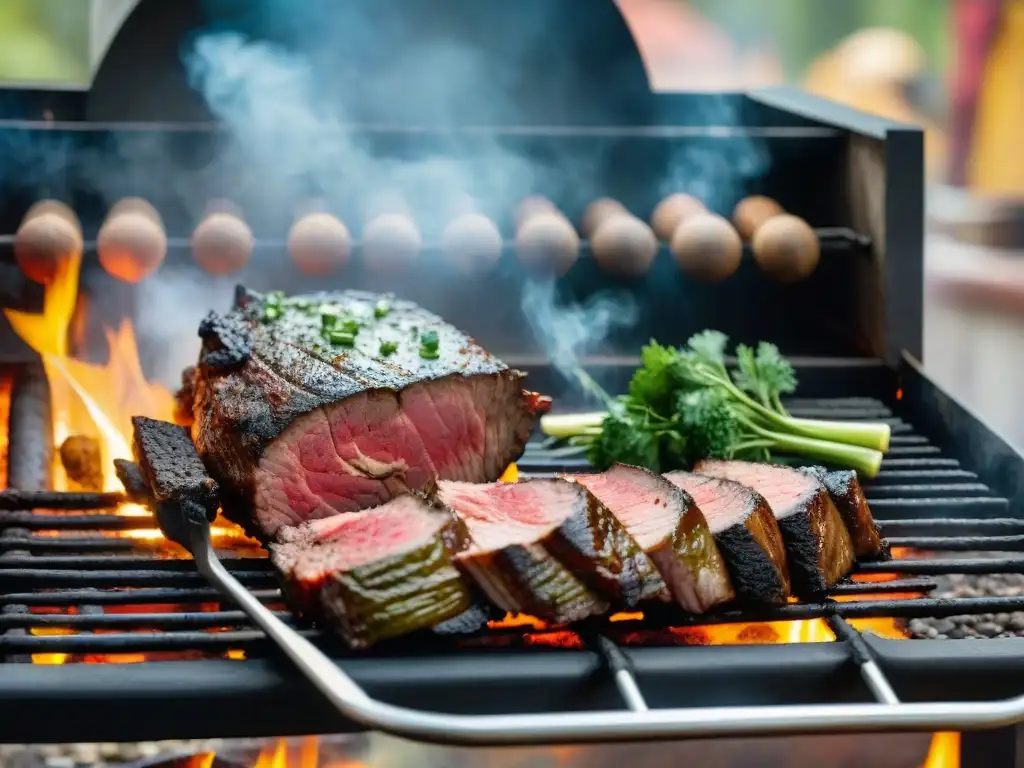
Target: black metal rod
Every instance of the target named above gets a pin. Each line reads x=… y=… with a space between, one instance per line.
x=928 y=490
x=20 y=499
x=953 y=526
x=940 y=507
x=896 y=476
x=961 y=543
x=32 y=578
x=96 y=522
x=139 y=621
x=934 y=567
x=135 y=642
x=128 y=562
x=882 y=587
x=72 y=597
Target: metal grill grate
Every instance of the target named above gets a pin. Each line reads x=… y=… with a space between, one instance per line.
x=70 y=586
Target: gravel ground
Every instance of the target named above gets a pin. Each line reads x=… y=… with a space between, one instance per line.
x=980 y=626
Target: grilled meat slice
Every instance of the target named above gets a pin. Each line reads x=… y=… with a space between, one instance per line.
x=846 y=493
x=818 y=546
x=297 y=427
x=549 y=548
x=375 y=574
x=747 y=534
x=670 y=528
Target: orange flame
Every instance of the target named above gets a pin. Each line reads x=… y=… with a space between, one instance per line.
x=944 y=751
x=96 y=400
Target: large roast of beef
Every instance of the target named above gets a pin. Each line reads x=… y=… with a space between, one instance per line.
x=362 y=439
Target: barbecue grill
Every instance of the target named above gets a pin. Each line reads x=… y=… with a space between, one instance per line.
x=69 y=589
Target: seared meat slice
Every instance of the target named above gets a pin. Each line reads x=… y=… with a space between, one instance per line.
x=670 y=528
x=375 y=574
x=549 y=548
x=298 y=423
x=747 y=534
x=818 y=546
x=848 y=496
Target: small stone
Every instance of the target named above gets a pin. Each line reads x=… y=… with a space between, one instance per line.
x=943 y=626
x=1017 y=622
x=957 y=633
x=988 y=628
x=129 y=752
x=60 y=761
x=1002 y=619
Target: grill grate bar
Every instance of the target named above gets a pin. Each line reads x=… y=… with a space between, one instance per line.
x=961 y=543
x=95 y=522
x=936 y=567
x=996 y=526
x=161 y=621
x=980 y=506
x=72 y=597
x=46 y=578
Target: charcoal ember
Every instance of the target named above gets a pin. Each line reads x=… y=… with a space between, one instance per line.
x=134 y=483
x=83 y=462
x=181 y=488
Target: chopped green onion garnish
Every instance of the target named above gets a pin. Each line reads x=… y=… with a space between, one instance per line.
x=271 y=312
x=275 y=297
x=328 y=321
x=388 y=348
x=430 y=339
x=341 y=339
x=381 y=309
x=429 y=353
x=350 y=326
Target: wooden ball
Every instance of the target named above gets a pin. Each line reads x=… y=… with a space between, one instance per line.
x=751 y=212
x=624 y=246
x=707 y=247
x=391 y=242
x=131 y=245
x=63 y=210
x=786 y=248
x=547 y=244
x=673 y=211
x=531 y=206
x=222 y=243
x=471 y=243
x=43 y=243
x=319 y=243
x=597 y=213
x=136 y=205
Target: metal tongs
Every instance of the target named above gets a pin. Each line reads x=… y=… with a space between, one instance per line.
x=635 y=723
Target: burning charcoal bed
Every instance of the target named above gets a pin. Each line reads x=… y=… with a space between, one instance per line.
x=100 y=608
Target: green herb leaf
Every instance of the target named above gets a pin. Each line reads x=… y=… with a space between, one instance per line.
x=271 y=312
x=388 y=348
x=341 y=338
x=381 y=309
x=766 y=374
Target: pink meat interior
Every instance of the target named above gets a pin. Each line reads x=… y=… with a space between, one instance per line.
x=502 y=514
x=641 y=500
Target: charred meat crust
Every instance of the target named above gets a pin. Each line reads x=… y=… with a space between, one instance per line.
x=624 y=573
x=754 y=577
x=751 y=545
x=818 y=548
x=528 y=579
x=671 y=529
x=848 y=496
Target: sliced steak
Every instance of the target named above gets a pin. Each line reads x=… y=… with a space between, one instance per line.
x=747 y=534
x=375 y=574
x=548 y=548
x=846 y=493
x=670 y=528
x=818 y=546
x=297 y=425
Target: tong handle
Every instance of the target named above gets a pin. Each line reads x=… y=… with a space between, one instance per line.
x=581 y=727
